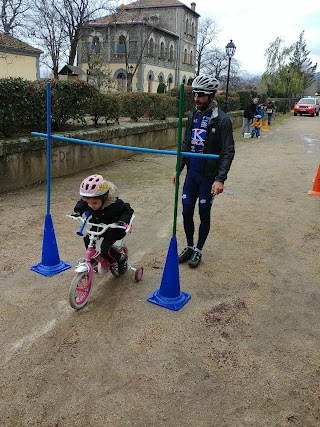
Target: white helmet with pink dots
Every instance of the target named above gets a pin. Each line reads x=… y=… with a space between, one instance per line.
x=94 y=186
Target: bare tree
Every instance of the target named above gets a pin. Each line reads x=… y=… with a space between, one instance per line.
x=74 y=14
x=48 y=31
x=207 y=32
x=12 y=13
x=216 y=63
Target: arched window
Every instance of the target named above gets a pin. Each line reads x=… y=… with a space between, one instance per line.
x=191 y=57
x=95 y=45
x=151 y=47
x=169 y=83
x=162 y=50
x=187 y=25
x=184 y=80
x=122 y=82
x=192 y=29
x=121 y=46
x=171 y=53
x=185 y=56
x=150 y=78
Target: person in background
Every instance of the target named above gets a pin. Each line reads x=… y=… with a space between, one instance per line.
x=250 y=111
x=209 y=131
x=270 y=110
x=260 y=110
x=257 y=123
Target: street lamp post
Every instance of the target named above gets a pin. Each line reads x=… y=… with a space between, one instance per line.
x=230 y=50
x=130 y=76
x=288 y=79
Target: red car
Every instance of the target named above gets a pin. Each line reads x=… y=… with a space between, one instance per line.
x=307 y=105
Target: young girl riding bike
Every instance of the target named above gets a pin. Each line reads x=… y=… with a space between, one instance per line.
x=100 y=200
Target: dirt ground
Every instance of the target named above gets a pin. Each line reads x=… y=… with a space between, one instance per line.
x=244 y=351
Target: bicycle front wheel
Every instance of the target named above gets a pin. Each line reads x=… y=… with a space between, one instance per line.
x=80 y=289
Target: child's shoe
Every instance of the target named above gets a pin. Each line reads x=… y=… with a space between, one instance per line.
x=122 y=264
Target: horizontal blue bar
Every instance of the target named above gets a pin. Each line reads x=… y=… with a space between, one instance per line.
x=123 y=147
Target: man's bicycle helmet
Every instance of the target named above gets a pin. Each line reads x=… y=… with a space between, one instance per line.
x=94 y=186
x=205 y=84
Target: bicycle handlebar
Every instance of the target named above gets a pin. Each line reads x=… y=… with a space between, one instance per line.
x=103 y=227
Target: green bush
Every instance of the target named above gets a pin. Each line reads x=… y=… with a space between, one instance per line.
x=134 y=105
x=161 y=106
x=161 y=87
x=22 y=106
x=188 y=99
x=70 y=100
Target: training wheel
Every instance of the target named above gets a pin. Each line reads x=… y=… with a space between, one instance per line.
x=138 y=274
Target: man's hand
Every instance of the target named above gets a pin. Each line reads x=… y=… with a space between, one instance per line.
x=217 y=188
x=174 y=179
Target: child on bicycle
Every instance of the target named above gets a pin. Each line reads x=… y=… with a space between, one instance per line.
x=100 y=200
x=257 y=123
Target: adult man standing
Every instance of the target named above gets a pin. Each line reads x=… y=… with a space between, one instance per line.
x=250 y=111
x=208 y=131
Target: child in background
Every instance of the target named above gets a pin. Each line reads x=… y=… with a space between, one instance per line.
x=257 y=123
x=100 y=200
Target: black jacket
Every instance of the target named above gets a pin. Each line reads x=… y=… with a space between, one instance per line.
x=250 y=111
x=111 y=211
x=219 y=140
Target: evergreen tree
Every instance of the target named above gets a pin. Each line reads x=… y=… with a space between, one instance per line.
x=301 y=64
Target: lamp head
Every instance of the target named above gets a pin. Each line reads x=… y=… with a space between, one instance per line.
x=230 y=49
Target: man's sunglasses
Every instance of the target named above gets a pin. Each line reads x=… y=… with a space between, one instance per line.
x=198 y=94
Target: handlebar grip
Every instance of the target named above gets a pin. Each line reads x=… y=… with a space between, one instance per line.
x=80 y=232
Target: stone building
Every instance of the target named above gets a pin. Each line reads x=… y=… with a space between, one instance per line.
x=18 y=59
x=143 y=44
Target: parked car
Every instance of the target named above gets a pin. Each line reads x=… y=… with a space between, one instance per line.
x=307 y=105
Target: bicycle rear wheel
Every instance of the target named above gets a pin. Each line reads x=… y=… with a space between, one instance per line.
x=80 y=289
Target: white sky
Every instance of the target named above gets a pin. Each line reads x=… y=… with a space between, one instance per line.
x=253 y=26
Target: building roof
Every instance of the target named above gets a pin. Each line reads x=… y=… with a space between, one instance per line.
x=10 y=44
x=71 y=69
x=154 y=3
x=125 y=17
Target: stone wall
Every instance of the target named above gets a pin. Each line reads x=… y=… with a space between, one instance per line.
x=23 y=161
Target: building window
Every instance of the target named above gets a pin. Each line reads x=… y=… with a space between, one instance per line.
x=169 y=83
x=151 y=47
x=95 y=45
x=171 y=53
x=192 y=29
x=121 y=46
x=191 y=58
x=122 y=82
x=162 y=50
x=187 y=26
x=185 y=56
x=150 y=83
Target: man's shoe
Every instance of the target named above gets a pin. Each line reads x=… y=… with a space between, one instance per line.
x=195 y=259
x=122 y=264
x=185 y=255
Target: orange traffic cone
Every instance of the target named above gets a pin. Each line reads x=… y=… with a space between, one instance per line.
x=316 y=185
x=266 y=126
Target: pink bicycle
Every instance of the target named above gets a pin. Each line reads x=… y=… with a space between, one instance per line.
x=94 y=262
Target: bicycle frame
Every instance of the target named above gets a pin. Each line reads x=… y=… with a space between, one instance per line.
x=81 y=284
x=91 y=252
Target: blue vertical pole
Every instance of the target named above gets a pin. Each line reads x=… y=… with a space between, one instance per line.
x=50 y=261
x=48 y=104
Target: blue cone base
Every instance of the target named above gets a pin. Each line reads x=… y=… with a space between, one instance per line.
x=50 y=270
x=169 y=294
x=50 y=261
x=170 y=303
